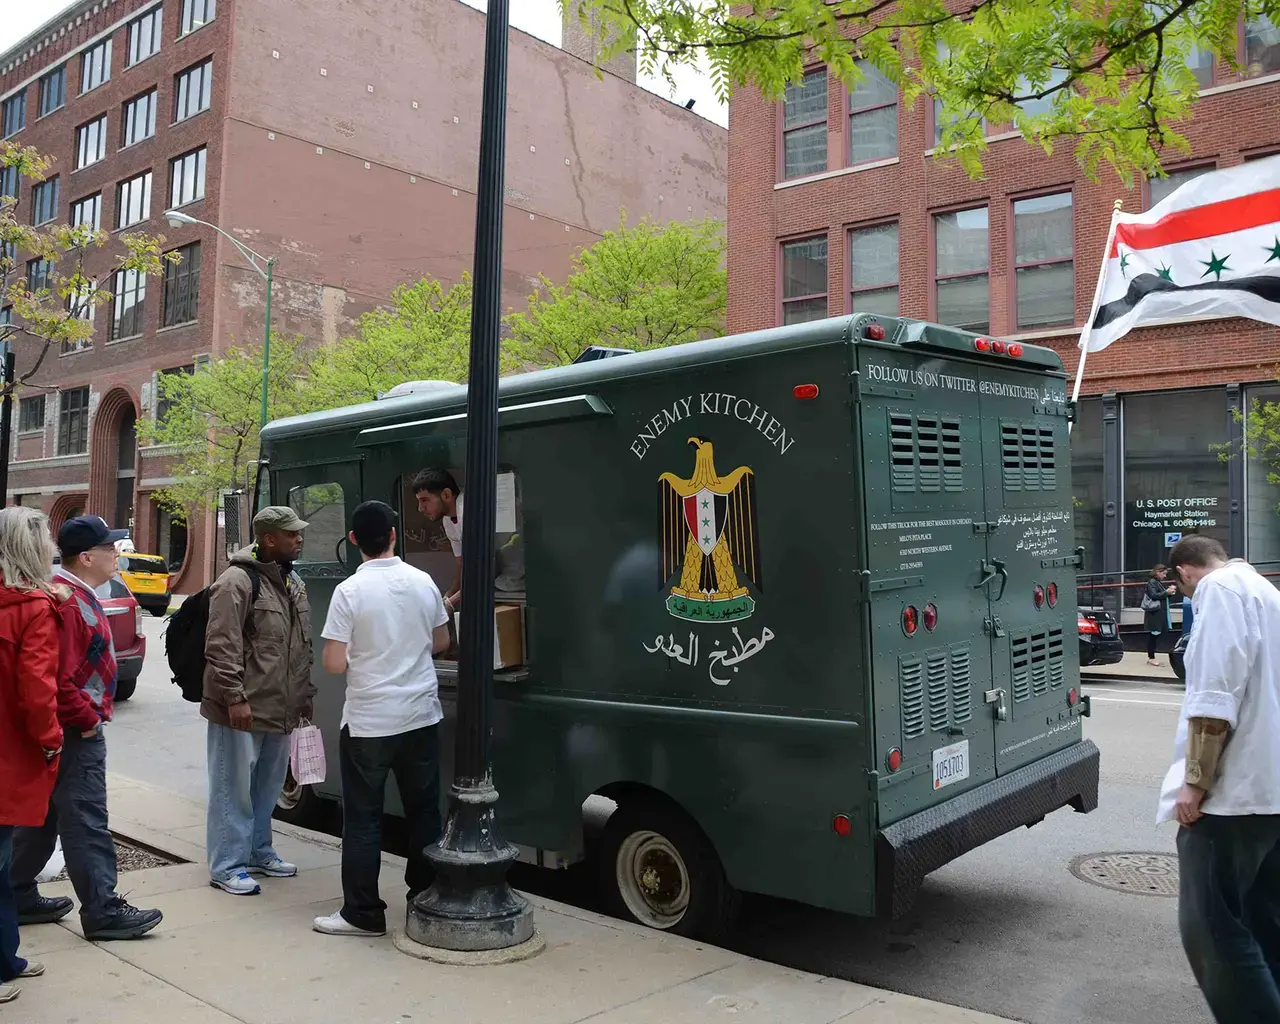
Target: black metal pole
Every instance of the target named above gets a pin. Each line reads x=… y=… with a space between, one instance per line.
x=6 y=423
x=470 y=906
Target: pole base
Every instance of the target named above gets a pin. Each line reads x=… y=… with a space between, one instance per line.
x=470 y=958
x=470 y=907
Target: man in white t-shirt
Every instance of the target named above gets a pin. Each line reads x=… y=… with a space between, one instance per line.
x=384 y=624
x=440 y=500
x=1224 y=786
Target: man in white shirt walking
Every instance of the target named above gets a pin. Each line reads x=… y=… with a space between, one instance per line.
x=1224 y=786
x=383 y=626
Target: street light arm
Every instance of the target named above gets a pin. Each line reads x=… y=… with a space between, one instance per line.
x=255 y=259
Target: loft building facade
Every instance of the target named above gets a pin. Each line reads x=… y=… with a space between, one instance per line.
x=343 y=140
x=837 y=205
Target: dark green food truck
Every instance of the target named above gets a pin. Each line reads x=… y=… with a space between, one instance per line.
x=798 y=605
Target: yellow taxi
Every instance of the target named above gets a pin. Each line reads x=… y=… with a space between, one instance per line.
x=147 y=577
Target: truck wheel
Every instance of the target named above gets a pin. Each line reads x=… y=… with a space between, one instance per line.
x=659 y=870
x=159 y=612
x=124 y=689
x=296 y=804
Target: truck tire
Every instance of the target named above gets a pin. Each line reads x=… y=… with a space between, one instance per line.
x=159 y=612
x=659 y=870
x=124 y=689
x=297 y=805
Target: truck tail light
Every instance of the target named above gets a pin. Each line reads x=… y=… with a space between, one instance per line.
x=1037 y=595
x=982 y=344
x=1015 y=350
x=841 y=825
x=1087 y=626
x=804 y=392
x=1073 y=698
x=1051 y=594
x=894 y=760
x=875 y=332
x=998 y=347
x=910 y=620
x=930 y=616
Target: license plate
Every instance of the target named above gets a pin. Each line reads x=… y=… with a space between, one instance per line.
x=950 y=764
x=1107 y=629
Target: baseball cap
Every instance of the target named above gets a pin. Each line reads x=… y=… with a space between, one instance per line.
x=85 y=533
x=277 y=519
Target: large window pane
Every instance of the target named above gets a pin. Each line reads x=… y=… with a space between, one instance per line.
x=802 y=310
x=1043 y=105
x=873 y=135
x=1086 y=480
x=1161 y=188
x=804 y=268
x=963 y=302
x=1174 y=481
x=873 y=270
x=807 y=102
x=1046 y=295
x=1261 y=46
x=804 y=126
x=1262 y=484
x=804 y=151
x=961 y=240
x=1042 y=228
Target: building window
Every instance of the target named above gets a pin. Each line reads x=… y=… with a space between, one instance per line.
x=1261 y=46
x=193 y=91
x=1044 y=105
x=128 y=299
x=31 y=414
x=163 y=402
x=39 y=275
x=1160 y=189
x=95 y=66
x=91 y=142
x=15 y=114
x=961 y=257
x=144 y=37
x=804 y=280
x=804 y=126
x=81 y=306
x=182 y=287
x=1044 y=270
x=939 y=118
x=6 y=316
x=44 y=201
x=873 y=270
x=9 y=182
x=73 y=422
x=87 y=212
x=1086 y=486
x=139 y=120
x=873 y=117
x=196 y=14
x=53 y=91
x=1201 y=62
x=186 y=177
x=133 y=201
x=1262 y=482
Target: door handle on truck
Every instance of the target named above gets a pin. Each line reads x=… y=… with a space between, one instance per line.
x=990 y=572
x=1004 y=577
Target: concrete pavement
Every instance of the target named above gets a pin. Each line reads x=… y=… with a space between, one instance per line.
x=219 y=959
x=1133 y=668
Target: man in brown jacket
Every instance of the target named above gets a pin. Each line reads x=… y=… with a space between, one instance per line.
x=257 y=688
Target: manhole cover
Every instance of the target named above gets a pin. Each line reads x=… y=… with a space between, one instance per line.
x=1152 y=874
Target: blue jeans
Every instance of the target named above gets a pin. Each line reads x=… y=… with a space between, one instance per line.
x=1229 y=913
x=246 y=774
x=11 y=965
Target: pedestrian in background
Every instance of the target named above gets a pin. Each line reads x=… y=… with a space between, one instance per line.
x=1224 y=786
x=257 y=688
x=78 y=811
x=30 y=736
x=384 y=624
x=1155 y=608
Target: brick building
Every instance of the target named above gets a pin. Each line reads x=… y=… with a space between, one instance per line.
x=836 y=204
x=341 y=139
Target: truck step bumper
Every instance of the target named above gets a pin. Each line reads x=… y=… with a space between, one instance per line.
x=908 y=850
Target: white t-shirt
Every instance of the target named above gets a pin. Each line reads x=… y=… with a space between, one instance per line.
x=385 y=614
x=453 y=530
x=1233 y=673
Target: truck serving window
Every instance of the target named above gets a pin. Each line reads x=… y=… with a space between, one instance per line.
x=323 y=508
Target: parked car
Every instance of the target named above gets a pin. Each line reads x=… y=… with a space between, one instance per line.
x=1177 y=657
x=125 y=616
x=1100 y=642
x=147 y=577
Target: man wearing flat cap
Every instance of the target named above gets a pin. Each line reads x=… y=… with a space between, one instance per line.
x=257 y=689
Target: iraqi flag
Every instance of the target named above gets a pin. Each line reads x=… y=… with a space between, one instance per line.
x=1211 y=248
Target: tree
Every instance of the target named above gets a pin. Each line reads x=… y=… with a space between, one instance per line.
x=210 y=418
x=56 y=313
x=639 y=287
x=1114 y=76
x=1260 y=439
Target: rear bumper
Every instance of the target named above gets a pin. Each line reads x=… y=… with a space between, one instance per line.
x=1107 y=651
x=129 y=666
x=908 y=850
x=152 y=601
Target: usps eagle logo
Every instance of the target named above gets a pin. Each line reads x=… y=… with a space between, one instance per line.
x=707 y=526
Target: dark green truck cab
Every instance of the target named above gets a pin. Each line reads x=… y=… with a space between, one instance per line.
x=801 y=603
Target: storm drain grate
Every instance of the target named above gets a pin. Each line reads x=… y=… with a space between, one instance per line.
x=132 y=855
x=1150 y=874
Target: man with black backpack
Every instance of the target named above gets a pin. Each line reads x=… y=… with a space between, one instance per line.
x=257 y=689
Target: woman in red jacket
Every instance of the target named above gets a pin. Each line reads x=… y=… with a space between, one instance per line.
x=30 y=736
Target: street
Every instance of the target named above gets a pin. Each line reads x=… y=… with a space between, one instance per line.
x=1007 y=929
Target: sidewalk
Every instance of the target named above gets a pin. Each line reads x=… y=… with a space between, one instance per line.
x=219 y=959
x=1134 y=668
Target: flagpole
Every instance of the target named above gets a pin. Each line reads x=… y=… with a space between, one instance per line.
x=1097 y=299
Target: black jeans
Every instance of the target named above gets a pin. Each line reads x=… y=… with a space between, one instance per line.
x=365 y=763
x=1229 y=913
x=11 y=965
x=1153 y=639
x=77 y=813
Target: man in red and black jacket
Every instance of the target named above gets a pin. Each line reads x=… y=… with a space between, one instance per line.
x=78 y=810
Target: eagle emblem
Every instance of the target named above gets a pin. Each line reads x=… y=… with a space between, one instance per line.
x=707 y=526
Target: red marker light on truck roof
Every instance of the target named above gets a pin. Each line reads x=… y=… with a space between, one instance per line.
x=998 y=347
x=804 y=392
x=875 y=332
x=982 y=344
x=1015 y=350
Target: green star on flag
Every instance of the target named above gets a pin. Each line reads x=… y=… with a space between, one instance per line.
x=1273 y=249
x=1124 y=263
x=1215 y=264
x=1166 y=272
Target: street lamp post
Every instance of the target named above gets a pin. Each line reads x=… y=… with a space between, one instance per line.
x=470 y=907
x=263 y=265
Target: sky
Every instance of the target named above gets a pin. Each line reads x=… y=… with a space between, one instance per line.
x=539 y=18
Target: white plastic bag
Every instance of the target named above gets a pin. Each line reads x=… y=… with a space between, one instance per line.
x=55 y=866
x=306 y=754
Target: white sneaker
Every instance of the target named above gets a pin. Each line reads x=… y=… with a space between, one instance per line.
x=336 y=924
x=274 y=868
x=238 y=885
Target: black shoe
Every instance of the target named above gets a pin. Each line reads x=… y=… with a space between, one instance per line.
x=120 y=921
x=45 y=910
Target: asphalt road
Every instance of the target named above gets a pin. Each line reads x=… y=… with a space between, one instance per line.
x=1006 y=929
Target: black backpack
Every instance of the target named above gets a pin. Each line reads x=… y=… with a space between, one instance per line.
x=184 y=640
